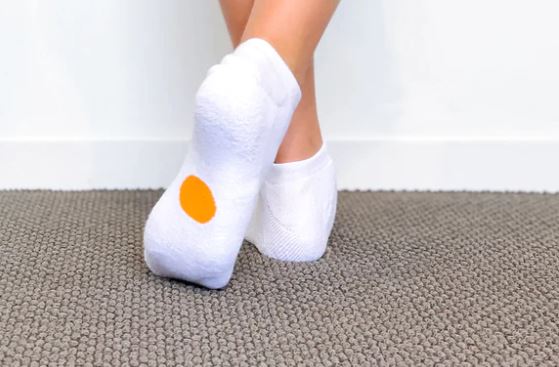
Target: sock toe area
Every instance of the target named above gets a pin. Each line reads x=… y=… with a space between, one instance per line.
x=296 y=210
x=210 y=272
x=305 y=241
x=171 y=253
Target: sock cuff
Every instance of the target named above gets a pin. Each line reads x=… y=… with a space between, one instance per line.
x=274 y=74
x=280 y=172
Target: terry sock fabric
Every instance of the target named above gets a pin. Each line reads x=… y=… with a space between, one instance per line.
x=243 y=108
x=296 y=209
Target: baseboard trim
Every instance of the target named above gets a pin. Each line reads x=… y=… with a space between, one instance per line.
x=497 y=164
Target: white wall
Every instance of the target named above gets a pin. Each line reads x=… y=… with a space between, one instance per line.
x=432 y=94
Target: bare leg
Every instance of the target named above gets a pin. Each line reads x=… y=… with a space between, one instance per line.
x=236 y=14
x=296 y=43
x=293 y=27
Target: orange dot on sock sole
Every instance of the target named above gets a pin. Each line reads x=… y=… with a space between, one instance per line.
x=197 y=200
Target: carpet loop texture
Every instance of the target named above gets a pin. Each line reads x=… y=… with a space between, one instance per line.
x=409 y=279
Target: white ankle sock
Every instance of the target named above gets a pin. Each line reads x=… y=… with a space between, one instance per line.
x=296 y=209
x=243 y=108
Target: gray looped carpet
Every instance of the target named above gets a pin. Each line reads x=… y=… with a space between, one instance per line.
x=410 y=278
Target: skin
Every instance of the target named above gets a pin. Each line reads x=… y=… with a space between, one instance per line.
x=294 y=28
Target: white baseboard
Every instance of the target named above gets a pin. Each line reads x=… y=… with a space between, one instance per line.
x=377 y=164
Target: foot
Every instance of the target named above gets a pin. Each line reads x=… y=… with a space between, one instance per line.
x=296 y=209
x=243 y=108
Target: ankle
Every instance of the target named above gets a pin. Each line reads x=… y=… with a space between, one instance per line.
x=298 y=149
